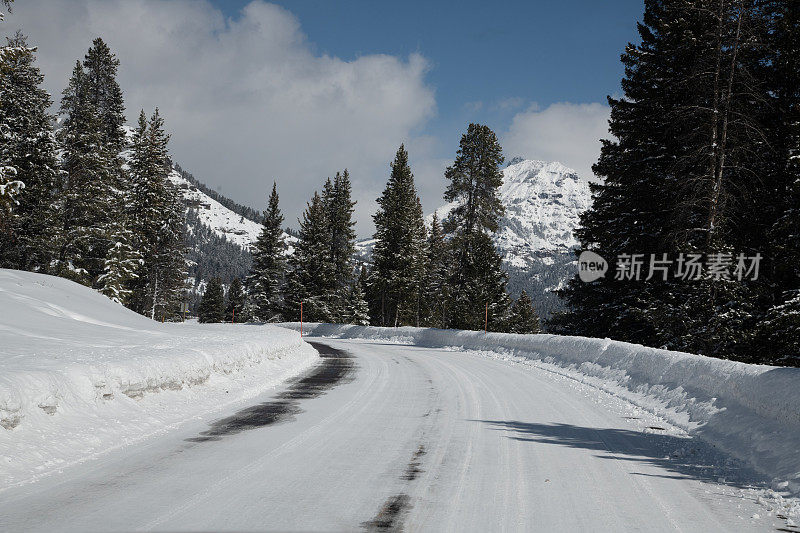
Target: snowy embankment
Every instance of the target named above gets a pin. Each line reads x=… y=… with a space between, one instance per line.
x=80 y=374
x=750 y=411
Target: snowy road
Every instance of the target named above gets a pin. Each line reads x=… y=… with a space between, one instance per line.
x=388 y=436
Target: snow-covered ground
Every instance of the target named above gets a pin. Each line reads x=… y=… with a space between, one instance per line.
x=389 y=437
x=751 y=412
x=80 y=375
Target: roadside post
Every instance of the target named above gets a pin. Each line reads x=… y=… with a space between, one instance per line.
x=301 y=319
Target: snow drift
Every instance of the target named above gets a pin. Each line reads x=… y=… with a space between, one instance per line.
x=750 y=411
x=80 y=374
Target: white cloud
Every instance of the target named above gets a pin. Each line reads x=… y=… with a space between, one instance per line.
x=247 y=100
x=565 y=132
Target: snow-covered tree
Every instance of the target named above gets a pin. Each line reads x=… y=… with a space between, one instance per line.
x=159 y=217
x=235 y=310
x=399 y=255
x=339 y=208
x=269 y=264
x=523 y=317
x=121 y=266
x=311 y=278
x=28 y=155
x=105 y=94
x=85 y=215
x=436 y=292
x=477 y=280
x=356 y=309
x=212 y=306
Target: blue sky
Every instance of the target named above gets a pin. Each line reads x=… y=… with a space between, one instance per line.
x=295 y=90
x=488 y=59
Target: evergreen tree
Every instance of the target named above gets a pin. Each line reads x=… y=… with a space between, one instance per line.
x=237 y=302
x=84 y=217
x=266 y=276
x=399 y=254
x=356 y=310
x=339 y=210
x=477 y=281
x=697 y=123
x=121 y=267
x=779 y=331
x=10 y=186
x=436 y=290
x=105 y=94
x=523 y=316
x=212 y=306
x=160 y=222
x=311 y=278
x=29 y=149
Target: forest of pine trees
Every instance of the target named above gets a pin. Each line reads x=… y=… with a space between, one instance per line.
x=418 y=276
x=704 y=161
x=80 y=200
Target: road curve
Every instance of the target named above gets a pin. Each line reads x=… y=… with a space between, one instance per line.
x=390 y=437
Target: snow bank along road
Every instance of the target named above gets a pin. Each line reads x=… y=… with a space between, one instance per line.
x=80 y=374
x=382 y=436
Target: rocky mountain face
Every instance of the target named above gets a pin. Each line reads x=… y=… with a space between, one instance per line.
x=543 y=203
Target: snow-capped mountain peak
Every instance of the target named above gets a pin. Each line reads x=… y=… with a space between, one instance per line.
x=224 y=222
x=543 y=202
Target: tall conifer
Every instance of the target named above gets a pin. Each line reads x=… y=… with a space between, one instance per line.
x=311 y=278
x=29 y=147
x=477 y=281
x=85 y=221
x=399 y=254
x=267 y=273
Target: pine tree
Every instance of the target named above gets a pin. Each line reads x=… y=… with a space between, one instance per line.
x=105 y=94
x=84 y=216
x=121 y=266
x=356 y=310
x=311 y=277
x=212 y=306
x=10 y=186
x=523 y=316
x=29 y=148
x=436 y=289
x=269 y=264
x=779 y=331
x=339 y=210
x=399 y=254
x=694 y=128
x=237 y=303
x=477 y=281
x=160 y=222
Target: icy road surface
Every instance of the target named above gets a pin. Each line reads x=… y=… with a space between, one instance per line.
x=382 y=436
